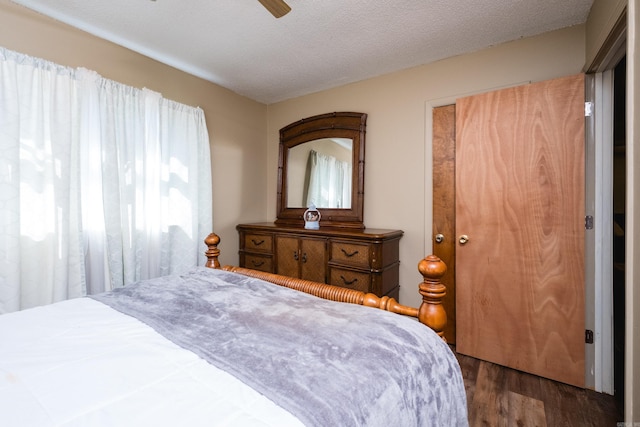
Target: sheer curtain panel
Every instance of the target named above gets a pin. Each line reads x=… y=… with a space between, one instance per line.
x=329 y=181
x=101 y=184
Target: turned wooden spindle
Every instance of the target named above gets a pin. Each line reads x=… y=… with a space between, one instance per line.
x=431 y=311
x=212 y=253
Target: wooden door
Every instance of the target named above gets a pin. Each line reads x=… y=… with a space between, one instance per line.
x=287 y=256
x=444 y=231
x=301 y=258
x=312 y=260
x=520 y=200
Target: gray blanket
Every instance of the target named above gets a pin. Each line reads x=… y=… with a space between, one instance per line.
x=329 y=364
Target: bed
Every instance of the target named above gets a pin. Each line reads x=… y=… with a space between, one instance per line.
x=228 y=346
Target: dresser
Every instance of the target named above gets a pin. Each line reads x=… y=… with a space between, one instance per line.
x=366 y=260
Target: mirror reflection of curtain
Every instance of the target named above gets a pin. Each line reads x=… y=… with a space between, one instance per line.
x=329 y=182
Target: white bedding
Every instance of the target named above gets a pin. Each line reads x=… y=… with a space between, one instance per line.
x=122 y=370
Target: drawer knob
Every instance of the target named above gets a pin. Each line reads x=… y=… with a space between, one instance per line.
x=348 y=282
x=257 y=264
x=257 y=242
x=347 y=254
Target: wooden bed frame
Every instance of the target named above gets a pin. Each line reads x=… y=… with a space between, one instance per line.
x=431 y=311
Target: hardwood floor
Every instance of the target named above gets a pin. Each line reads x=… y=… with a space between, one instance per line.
x=499 y=396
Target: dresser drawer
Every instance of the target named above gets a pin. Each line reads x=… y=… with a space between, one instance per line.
x=350 y=279
x=258 y=262
x=350 y=253
x=364 y=260
x=258 y=242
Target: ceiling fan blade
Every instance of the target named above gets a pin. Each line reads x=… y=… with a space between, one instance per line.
x=278 y=8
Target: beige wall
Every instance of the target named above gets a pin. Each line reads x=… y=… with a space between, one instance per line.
x=237 y=125
x=398 y=150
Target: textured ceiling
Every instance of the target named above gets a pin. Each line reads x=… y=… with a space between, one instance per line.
x=318 y=45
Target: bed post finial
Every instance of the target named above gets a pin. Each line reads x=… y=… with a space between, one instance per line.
x=431 y=311
x=212 y=253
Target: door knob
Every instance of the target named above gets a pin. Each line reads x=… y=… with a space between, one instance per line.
x=439 y=238
x=463 y=239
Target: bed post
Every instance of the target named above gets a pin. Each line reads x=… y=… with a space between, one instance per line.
x=431 y=311
x=212 y=253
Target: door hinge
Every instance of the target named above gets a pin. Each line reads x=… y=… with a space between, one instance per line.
x=588 y=109
x=588 y=336
x=588 y=222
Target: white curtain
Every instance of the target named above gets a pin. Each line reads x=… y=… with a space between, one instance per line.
x=101 y=184
x=329 y=182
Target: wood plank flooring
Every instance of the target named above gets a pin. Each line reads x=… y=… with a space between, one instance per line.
x=499 y=396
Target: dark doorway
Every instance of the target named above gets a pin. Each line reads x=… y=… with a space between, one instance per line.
x=619 y=208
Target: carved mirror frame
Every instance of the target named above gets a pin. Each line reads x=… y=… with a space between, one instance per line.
x=332 y=125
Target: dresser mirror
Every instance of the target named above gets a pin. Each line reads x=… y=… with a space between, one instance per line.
x=321 y=162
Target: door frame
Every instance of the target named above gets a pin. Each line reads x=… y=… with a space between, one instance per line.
x=599 y=240
x=599 y=198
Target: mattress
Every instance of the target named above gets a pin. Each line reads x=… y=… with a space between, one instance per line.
x=81 y=363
